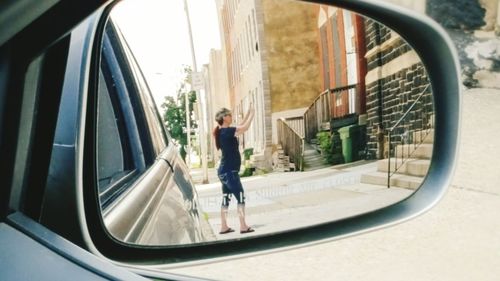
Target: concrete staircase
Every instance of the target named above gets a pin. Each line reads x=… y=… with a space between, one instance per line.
x=413 y=170
x=281 y=162
x=313 y=160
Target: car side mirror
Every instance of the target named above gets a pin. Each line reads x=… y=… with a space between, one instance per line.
x=127 y=216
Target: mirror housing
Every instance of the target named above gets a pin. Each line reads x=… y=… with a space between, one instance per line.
x=438 y=56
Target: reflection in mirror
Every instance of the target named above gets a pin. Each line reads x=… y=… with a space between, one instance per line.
x=343 y=118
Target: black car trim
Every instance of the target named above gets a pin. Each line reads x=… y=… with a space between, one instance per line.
x=68 y=250
x=49 y=97
x=17 y=50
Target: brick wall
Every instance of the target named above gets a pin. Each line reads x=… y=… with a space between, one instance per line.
x=390 y=96
x=291 y=41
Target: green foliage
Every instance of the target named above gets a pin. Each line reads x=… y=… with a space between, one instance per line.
x=247 y=153
x=205 y=216
x=247 y=172
x=325 y=145
x=174 y=113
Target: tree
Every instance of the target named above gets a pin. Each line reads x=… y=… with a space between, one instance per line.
x=174 y=114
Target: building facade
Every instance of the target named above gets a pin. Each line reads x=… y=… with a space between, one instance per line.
x=395 y=78
x=343 y=64
x=216 y=95
x=374 y=76
x=267 y=52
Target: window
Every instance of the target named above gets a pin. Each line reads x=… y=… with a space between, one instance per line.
x=249 y=39
x=114 y=155
x=129 y=133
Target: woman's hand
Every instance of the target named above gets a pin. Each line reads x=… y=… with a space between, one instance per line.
x=247 y=120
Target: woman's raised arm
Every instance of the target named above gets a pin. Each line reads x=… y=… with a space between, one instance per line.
x=247 y=121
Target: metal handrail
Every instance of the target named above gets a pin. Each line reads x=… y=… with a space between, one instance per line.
x=409 y=109
x=390 y=131
x=292 y=142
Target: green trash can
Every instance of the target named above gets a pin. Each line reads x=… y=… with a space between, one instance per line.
x=345 y=136
x=357 y=134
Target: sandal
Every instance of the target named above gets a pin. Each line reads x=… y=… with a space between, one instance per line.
x=227 y=231
x=248 y=230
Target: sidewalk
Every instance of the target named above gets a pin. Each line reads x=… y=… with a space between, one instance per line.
x=281 y=201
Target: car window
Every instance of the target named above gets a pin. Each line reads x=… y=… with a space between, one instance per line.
x=115 y=155
x=129 y=138
x=155 y=126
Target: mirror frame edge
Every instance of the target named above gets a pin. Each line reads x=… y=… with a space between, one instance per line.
x=443 y=70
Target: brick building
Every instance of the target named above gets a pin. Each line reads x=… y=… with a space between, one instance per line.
x=343 y=64
x=373 y=75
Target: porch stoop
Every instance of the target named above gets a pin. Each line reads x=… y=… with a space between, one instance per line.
x=412 y=171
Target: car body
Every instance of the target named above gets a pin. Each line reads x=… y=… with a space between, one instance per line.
x=53 y=123
x=134 y=152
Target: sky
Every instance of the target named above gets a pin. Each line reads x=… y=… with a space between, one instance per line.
x=157 y=33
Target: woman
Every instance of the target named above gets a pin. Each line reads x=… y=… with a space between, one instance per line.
x=225 y=140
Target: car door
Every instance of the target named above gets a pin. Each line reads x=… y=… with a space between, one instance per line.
x=170 y=214
x=144 y=194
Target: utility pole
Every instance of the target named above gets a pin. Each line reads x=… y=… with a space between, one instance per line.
x=201 y=125
x=188 y=130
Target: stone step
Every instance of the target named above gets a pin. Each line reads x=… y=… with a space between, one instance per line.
x=315 y=167
x=412 y=167
x=425 y=136
x=397 y=180
x=313 y=160
x=312 y=157
x=422 y=151
x=315 y=163
x=258 y=157
x=310 y=152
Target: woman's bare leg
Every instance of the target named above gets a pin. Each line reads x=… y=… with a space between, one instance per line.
x=223 y=219
x=241 y=216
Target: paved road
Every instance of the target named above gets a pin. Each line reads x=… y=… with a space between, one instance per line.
x=457 y=240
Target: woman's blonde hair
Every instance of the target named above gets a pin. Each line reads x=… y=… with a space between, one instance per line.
x=219 y=118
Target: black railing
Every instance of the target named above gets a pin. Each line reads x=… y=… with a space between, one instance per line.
x=409 y=132
x=292 y=143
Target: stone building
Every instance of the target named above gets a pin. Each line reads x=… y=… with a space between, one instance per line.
x=216 y=93
x=395 y=78
x=383 y=72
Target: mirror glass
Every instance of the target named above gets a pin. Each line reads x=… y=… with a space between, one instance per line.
x=332 y=112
